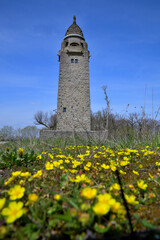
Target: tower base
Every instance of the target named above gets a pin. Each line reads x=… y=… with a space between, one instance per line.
x=90 y=135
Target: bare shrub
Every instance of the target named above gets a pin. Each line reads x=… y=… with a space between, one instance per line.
x=47 y=120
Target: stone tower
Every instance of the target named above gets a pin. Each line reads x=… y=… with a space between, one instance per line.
x=73 y=105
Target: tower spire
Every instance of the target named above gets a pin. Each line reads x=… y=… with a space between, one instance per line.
x=74 y=19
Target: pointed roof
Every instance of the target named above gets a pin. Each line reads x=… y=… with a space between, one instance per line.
x=74 y=29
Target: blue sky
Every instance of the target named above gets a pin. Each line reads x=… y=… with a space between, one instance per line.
x=123 y=39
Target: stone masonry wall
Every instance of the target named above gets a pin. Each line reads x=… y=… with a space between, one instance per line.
x=90 y=135
x=73 y=88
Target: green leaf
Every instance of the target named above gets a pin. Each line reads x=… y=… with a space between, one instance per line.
x=62 y=217
x=145 y=223
x=31 y=231
x=148 y=224
x=52 y=209
x=52 y=223
x=100 y=228
x=71 y=201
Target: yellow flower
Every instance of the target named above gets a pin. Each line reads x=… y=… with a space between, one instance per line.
x=116 y=206
x=36 y=175
x=131 y=199
x=120 y=153
x=72 y=171
x=127 y=153
x=2 y=202
x=101 y=208
x=57 y=197
x=22 y=182
x=135 y=172
x=150 y=176
x=141 y=184
x=108 y=200
x=56 y=164
x=122 y=172
x=72 y=179
x=115 y=186
x=123 y=163
x=13 y=212
x=49 y=166
x=82 y=178
x=10 y=180
x=67 y=161
x=25 y=174
x=20 y=151
x=39 y=157
x=158 y=163
x=140 y=166
x=32 y=197
x=50 y=155
x=16 y=174
x=16 y=192
x=113 y=167
x=104 y=197
x=86 y=168
x=105 y=166
x=44 y=153
x=89 y=164
x=89 y=193
x=131 y=186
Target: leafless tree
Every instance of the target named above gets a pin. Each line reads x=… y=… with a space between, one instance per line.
x=45 y=119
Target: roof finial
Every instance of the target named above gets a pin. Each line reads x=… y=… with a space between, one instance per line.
x=74 y=19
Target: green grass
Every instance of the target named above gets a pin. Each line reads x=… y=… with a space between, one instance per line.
x=59 y=172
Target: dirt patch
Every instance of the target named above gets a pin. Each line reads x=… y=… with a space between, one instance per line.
x=5 y=173
x=3 y=142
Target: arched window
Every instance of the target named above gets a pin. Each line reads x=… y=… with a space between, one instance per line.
x=74 y=44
